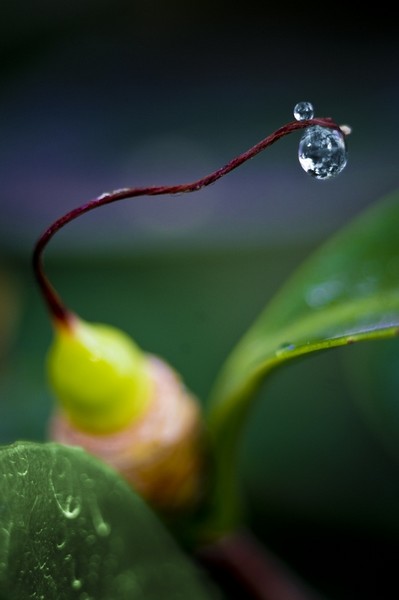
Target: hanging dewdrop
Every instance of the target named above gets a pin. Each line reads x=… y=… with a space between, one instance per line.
x=322 y=151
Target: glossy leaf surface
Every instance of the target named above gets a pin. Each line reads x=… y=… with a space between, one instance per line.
x=71 y=528
x=346 y=292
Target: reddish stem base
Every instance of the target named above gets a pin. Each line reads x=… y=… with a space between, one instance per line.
x=241 y=564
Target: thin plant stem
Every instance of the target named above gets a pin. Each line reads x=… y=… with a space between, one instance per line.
x=251 y=571
x=55 y=305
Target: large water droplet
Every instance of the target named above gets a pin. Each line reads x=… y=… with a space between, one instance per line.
x=303 y=111
x=322 y=152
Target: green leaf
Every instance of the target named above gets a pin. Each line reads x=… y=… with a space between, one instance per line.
x=70 y=527
x=373 y=376
x=348 y=291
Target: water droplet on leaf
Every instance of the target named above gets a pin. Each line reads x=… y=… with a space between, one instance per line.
x=61 y=539
x=285 y=348
x=69 y=505
x=76 y=584
x=62 y=484
x=23 y=466
x=103 y=529
x=324 y=293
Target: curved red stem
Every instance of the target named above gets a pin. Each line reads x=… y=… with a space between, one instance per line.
x=55 y=305
x=253 y=572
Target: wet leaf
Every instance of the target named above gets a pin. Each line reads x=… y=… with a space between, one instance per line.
x=70 y=527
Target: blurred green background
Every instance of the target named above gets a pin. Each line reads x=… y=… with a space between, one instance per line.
x=101 y=95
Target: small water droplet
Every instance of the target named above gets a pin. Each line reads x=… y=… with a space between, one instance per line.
x=69 y=505
x=324 y=293
x=303 y=111
x=76 y=584
x=23 y=466
x=285 y=348
x=61 y=535
x=62 y=484
x=322 y=152
x=103 y=529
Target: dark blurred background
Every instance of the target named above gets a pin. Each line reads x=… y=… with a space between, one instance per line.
x=100 y=95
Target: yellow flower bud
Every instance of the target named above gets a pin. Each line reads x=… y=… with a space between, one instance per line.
x=129 y=408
